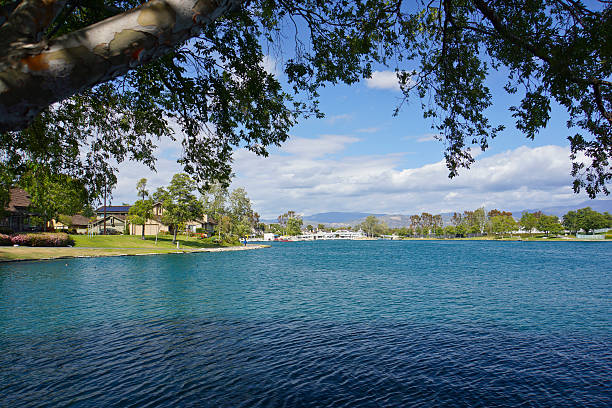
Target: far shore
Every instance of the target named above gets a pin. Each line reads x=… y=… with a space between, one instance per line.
x=16 y=254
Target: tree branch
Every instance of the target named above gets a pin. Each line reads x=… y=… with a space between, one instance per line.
x=29 y=21
x=35 y=76
x=600 y=104
x=6 y=10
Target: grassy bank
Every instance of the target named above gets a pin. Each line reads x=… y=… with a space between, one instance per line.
x=133 y=241
x=110 y=245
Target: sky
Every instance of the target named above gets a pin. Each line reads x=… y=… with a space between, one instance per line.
x=360 y=158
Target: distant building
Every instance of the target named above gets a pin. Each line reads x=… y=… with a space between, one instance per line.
x=119 y=210
x=77 y=222
x=16 y=215
x=115 y=224
x=117 y=219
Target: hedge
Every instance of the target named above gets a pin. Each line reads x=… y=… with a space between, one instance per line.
x=5 y=240
x=38 y=240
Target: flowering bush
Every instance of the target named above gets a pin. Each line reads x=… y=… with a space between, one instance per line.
x=42 y=240
x=22 y=239
x=5 y=240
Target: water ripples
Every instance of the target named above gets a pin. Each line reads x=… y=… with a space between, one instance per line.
x=375 y=325
x=295 y=363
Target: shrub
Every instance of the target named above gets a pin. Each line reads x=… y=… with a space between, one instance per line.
x=22 y=239
x=42 y=240
x=5 y=240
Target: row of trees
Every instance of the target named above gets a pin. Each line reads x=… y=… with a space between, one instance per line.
x=493 y=222
x=231 y=211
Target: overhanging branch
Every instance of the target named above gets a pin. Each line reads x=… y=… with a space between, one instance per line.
x=35 y=76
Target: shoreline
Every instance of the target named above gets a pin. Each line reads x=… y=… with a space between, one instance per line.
x=36 y=254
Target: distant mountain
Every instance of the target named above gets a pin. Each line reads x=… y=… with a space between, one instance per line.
x=597 y=205
x=340 y=219
x=336 y=217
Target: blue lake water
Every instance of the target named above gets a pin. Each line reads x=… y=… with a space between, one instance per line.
x=336 y=323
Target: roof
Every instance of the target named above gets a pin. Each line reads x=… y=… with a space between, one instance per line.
x=108 y=217
x=79 y=220
x=19 y=201
x=114 y=209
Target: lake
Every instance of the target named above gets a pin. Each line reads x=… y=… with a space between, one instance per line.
x=334 y=323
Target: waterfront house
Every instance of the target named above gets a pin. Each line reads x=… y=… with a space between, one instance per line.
x=115 y=224
x=16 y=215
x=78 y=222
x=155 y=225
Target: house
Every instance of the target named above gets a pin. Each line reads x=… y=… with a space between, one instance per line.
x=116 y=220
x=155 y=225
x=16 y=215
x=119 y=210
x=115 y=224
x=78 y=222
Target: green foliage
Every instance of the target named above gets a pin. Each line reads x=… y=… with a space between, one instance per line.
x=369 y=225
x=589 y=220
x=65 y=219
x=294 y=226
x=217 y=91
x=528 y=221
x=502 y=224
x=179 y=202
x=140 y=212
x=53 y=194
x=549 y=224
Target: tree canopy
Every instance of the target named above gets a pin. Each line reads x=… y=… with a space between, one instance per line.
x=87 y=84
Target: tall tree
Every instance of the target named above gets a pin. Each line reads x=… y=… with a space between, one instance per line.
x=241 y=212
x=369 y=225
x=571 y=222
x=141 y=188
x=67 y=66
x=590 y=220
x=528 y=221
x=180 y=203
x=140 y=213
x=214 y=201
x=294 y=226
x=501 y=224
x=549 y=224
x=53 y=194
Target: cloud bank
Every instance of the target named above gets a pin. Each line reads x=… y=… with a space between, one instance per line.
x=307 y=181
x=309 y=175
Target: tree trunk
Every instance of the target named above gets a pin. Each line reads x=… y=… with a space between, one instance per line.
x=143 y=227
x=35 y=74
x=174 y=239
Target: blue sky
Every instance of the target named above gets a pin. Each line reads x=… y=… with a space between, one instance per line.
x=361 y=158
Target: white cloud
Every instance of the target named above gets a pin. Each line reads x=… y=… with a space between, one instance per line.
x=520 y=178
x=428 y=137
x=384 y=80
x=337 y=118
x=317 y=147
x=270 y=64
x=306 y=176
x=369 y=130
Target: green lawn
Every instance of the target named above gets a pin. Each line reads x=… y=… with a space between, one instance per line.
x=133 y=241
